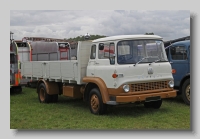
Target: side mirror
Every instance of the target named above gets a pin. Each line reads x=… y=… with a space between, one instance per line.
x=112 y=55
x=101 y=46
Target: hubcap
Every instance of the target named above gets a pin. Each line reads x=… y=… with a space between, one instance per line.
x=94 y=103
x=42 y=94
x=187 y=92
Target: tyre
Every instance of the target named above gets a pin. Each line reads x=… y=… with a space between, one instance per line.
x=97 y=106
x=147 y=104
x=54 y=98
x=153 y=104
x=42 y=94
x=16 y=89
x=19 y=89
x=186 y=92
x=156 y=104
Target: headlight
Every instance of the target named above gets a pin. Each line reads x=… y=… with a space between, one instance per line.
x=171 y=83
x=126 y=88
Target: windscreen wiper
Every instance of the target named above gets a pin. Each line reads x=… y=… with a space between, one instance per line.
x=141 y=60
x=156 y=61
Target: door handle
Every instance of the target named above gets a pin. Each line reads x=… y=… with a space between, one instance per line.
x=170 y=62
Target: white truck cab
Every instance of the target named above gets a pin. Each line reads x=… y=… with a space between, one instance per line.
x=131 y=68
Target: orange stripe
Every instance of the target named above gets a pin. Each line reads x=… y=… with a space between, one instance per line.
x=16 y=79
x=20 y=76
x=30 y=55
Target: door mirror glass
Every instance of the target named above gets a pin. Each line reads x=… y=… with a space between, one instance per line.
x=101 y=46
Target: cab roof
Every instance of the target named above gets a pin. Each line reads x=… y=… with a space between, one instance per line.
x=127 y=37
x=185 y=42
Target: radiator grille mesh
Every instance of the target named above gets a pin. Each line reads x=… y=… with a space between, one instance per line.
x=149 y=86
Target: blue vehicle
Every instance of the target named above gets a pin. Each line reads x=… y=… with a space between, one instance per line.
x=178 y=54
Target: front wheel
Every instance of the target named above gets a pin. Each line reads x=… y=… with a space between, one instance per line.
x=153 y=104
x=97 y=106
x=186 y=92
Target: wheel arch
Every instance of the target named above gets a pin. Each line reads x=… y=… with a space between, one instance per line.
x=88 y=88
x=38 y=84
x=187 y=76
x=51 y=87
x=97 y=82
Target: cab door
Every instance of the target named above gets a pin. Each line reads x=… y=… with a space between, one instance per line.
x=179 y=60
x=92 y=62
x=105 y=63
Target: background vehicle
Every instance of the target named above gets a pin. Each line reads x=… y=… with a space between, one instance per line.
x=178 y=54
x=108 y=71
x=19 y=51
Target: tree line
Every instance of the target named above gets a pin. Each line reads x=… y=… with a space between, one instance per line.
x=93 y=37
x=82 y=38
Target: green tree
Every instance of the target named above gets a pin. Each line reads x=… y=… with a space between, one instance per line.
x=149 y=33
x=81 y=38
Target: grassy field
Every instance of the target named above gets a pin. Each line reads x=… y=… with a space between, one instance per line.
x=27 y=113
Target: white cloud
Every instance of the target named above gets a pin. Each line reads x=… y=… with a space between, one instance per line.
x=71 y=23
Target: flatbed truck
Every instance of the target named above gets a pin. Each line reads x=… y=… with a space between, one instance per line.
x=113 y=70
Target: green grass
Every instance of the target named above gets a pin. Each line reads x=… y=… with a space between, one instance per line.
x=27 y=113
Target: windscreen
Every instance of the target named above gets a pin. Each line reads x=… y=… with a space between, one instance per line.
x=143 y=51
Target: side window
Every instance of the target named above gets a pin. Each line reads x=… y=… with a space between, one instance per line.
x=103 y=51
x=93 y=52
x=107 y=51
x=178 y=53
x=112 y=53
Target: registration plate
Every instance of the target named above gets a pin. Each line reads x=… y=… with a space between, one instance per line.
x=155 y=98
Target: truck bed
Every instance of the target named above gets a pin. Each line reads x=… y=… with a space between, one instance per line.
x=67 y=71
x=60 y=71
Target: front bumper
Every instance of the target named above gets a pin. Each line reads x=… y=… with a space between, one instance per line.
x=142 y=97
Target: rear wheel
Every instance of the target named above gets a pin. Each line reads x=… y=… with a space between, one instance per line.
x=54 y=98
x=96 y=104
x=42 y=94
x=186 y=92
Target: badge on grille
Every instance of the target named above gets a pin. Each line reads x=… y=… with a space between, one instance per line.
x=150 y=70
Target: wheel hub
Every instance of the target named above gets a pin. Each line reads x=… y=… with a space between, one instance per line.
x=94 y=103
x=187 y=92
x=42 y=94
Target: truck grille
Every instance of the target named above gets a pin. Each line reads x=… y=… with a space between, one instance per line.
x=149 y=86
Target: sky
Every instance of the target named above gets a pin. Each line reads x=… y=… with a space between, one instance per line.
x=169 y=24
